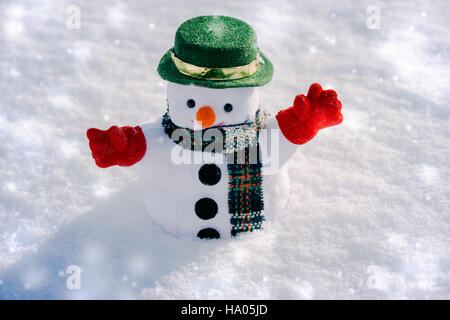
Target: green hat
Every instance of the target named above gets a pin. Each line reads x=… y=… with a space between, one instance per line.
x=216 y=52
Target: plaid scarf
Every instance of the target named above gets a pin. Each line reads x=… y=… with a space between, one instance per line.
x=240 y=145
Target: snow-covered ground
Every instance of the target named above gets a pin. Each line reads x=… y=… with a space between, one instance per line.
x=368 y=214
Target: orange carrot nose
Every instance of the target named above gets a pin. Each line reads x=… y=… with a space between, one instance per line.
x=205 y=116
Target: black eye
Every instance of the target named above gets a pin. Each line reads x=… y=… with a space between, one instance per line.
x=228 y=107
x=190 y=103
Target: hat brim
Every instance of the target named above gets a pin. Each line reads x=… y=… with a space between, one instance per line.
x=168 y=71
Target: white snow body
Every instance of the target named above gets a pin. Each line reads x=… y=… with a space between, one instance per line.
x=172 y=187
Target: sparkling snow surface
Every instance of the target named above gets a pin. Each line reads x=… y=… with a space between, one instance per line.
x=368 y=214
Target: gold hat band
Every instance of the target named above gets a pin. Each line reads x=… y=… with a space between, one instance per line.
x=216 y=73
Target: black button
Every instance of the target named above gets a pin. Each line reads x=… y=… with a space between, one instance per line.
x=208 y=233
x=209 y=174
x=190 y=103
x=206 y=208
x=228 y=107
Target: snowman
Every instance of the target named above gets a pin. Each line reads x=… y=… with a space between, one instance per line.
x=213 y=166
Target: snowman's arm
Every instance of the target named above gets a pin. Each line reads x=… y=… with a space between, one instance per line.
x=122 y=146
x=276 y=150
x=301 y=122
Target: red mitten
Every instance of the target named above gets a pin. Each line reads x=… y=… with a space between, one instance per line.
x=318 y=110
x=117 y=146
